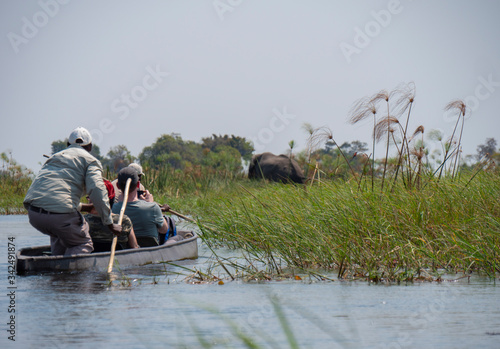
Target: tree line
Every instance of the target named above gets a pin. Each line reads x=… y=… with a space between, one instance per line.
x=229 y=153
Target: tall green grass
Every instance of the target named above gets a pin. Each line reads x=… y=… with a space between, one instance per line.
x=182 y=189
x=404 y=235
x=14 y=183
x=450 y=224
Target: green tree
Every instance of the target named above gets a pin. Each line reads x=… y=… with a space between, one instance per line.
x=117 y=158
x=486 y=150
x=224 y=158
x=244 y=147
x=333 y=163
x=96 y=151
x=57 y=146
x=172 y=151
x=350 y=149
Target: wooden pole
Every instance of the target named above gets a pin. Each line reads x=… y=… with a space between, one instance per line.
x=182 y=216
x=122 y=212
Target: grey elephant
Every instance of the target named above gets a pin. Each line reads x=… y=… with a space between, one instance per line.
x=277 y=168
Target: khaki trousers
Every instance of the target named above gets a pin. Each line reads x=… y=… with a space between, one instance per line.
x=69 y=232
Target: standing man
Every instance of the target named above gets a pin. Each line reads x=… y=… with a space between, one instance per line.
x=53 y=200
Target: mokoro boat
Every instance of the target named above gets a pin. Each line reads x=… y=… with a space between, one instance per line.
x=38 y=259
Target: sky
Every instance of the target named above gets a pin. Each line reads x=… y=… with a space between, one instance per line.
x=131 y=71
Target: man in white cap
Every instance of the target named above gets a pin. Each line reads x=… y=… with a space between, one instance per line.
x=53 y=200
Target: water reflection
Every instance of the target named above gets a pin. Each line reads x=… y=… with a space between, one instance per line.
x=79 y=283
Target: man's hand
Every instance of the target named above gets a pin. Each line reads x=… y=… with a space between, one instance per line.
x=164 y=208
x=115 y=229
x=147 y=196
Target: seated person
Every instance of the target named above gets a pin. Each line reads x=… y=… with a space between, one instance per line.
x=146 y=215
x=101 y=235
x=141 y=190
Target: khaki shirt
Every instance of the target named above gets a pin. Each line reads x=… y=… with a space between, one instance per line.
x=63 y=180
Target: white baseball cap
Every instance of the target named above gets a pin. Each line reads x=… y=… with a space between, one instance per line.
x=80 y=136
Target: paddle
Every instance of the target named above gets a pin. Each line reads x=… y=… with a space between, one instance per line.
x=166 y=208
x=182 y=216
x=120 y=218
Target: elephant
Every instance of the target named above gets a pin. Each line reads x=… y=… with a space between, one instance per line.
x=277 y=168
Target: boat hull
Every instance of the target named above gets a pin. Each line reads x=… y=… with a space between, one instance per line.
x=32 y=259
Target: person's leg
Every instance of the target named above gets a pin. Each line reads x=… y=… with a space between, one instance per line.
x=74 y=233
x=43 y=223
x=69 y=233
x=57 y=246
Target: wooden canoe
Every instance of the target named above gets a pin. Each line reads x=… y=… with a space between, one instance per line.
x=38 y=259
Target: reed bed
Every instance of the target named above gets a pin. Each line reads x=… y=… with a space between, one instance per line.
x=182 y=189
x=449 y=226
x=13 y=188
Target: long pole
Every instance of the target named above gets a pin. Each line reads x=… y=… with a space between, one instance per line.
x=182 y=216
x=115 y=238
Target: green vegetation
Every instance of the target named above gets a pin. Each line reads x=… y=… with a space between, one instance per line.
x=15 y=180
x=448 y=225
x=406 y=235
x=414 y=216
x=224 y=153
x=183 y=189
x=57 y=146
x=217 y=152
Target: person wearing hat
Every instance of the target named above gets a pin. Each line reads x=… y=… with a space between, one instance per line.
x=53 y=199
x=140 y=187
x=142 y=193
x=145 y=214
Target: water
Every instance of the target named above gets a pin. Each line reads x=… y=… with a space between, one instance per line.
x=82 y=310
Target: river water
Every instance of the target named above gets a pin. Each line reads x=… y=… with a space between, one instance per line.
x=152 y=307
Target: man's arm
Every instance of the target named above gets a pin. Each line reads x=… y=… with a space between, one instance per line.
x=160 y=221
x=115 y=229
x=98 y=193
x=164 y=228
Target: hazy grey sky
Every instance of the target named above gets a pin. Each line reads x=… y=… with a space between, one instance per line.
x=131 y=71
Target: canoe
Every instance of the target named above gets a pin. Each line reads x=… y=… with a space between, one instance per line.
x=38 y=259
